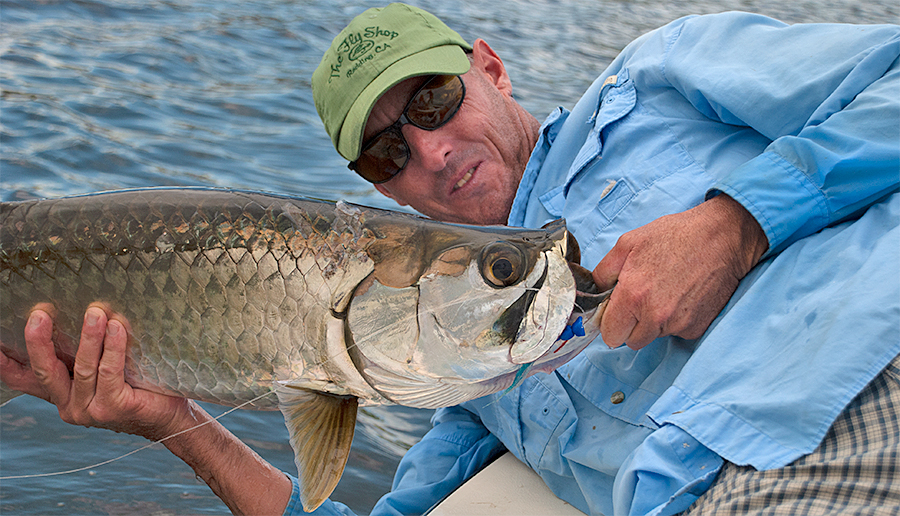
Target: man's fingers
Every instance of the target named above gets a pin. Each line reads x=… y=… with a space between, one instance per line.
x=87 y=359
x=642 y=334
x=110 y=375
x=617 y=323
x=49 y=371
x=606 y=273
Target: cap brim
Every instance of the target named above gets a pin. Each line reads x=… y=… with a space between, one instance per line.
x=443 y=60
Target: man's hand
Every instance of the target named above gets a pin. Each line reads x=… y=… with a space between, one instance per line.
x=95 y=394
x=674 y=275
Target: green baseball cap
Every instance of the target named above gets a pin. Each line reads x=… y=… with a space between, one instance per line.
x=380 y=48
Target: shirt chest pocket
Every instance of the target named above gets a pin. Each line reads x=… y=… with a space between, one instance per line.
x=616 y=100
x=630 y=170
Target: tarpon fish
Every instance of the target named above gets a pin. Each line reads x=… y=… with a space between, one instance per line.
x=228 y=295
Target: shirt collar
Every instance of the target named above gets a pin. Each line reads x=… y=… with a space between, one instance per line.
x=548 y=132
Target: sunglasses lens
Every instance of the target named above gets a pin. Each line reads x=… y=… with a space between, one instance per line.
x=436 y=103
x=431 y=107
x=383 y=158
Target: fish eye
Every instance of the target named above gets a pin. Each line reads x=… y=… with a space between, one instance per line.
x=502 y=269
x=502 y=264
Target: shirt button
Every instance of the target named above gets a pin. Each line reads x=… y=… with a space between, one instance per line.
x=617 y=397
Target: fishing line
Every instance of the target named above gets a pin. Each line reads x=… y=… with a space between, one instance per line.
x=132 y=452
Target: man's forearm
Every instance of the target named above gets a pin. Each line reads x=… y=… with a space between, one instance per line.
x=236 y=474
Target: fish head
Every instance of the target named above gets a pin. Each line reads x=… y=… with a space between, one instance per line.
x=462 y=312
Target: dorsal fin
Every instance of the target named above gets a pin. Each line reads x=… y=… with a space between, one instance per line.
x=321 y=431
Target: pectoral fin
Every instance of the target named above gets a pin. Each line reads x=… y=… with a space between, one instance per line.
x=321 y=430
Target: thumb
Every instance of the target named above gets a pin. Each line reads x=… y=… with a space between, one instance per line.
x=606 y=273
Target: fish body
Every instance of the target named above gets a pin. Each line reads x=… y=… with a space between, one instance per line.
x=229 y=295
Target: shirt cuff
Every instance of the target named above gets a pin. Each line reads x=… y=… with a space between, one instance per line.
x=328 y=508
x=787 y=205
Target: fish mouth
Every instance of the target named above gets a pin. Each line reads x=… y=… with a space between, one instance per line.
x=587 y=294
x=587 y=311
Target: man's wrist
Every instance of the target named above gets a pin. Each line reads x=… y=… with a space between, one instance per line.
x=752 y=238
x=186 y=426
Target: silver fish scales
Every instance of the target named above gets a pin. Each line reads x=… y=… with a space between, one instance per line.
x=203 y=276
x=229 y=295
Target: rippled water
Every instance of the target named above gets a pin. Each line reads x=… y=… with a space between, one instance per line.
x=113 y=94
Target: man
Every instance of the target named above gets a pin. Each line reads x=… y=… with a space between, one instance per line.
x=734 y=177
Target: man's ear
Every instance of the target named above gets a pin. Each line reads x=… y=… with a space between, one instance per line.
x=485 y=59
x=385 y=192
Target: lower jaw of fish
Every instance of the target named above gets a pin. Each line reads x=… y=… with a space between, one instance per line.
x=590 y=303
x=564 y=349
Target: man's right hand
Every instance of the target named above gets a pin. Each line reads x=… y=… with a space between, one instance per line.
x=95 y=394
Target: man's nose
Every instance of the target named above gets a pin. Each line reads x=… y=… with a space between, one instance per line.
x=429 y=150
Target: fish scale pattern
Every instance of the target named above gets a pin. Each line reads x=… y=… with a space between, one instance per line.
x=222 y=291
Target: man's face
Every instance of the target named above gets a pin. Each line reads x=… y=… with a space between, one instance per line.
x=469 y=169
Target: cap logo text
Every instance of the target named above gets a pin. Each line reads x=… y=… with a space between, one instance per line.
x=360 y=47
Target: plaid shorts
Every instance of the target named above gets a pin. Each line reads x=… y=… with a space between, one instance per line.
x=855 y=470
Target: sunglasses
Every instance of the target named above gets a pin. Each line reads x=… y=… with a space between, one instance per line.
x=386 y=154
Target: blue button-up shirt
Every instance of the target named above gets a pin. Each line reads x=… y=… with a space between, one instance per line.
x=801 y=125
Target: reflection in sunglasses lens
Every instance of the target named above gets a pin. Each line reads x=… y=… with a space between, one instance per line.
x=432 y=106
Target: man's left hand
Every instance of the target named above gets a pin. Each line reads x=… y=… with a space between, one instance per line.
x=674 y=275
